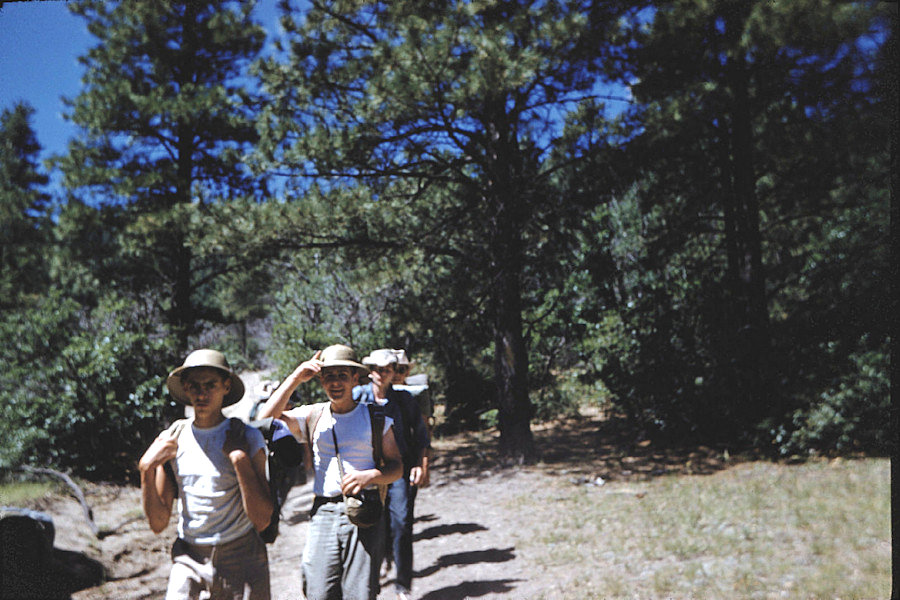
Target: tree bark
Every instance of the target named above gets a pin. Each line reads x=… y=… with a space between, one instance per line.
x=749 y=328
x=507 y=260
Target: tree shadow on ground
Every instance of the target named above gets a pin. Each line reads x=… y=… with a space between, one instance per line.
x=440 y=530
x=492 y=555
x=472 y=589
x=596 y=444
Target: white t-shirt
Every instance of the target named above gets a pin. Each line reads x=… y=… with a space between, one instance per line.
x=209 y=504
x=354 y=436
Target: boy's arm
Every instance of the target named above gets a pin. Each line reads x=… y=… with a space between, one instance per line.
x=418 y=474
x=251 y=476
x=277 y=402
x=157 y=489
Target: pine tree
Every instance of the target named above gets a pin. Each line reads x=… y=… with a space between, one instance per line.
x=166 y=124
x=453 y=115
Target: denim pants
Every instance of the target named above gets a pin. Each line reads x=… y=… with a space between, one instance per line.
x=400 y=504
x=237 y=570
x=341 y=561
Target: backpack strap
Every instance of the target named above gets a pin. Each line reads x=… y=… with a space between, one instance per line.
x=312 y=420
x=376 y=417
x=175 y=430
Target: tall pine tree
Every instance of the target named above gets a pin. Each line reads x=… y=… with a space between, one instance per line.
x=452 y=114
x=166 y=122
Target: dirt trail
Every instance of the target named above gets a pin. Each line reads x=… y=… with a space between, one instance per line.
x=470 y=540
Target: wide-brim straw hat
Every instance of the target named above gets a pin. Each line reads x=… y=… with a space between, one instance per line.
x=380 y=358
x=205 y=358
x=340 y=355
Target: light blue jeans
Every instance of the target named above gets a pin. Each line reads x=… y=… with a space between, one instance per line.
x=340 y=560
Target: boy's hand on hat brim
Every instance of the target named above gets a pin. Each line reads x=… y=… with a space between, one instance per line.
x=310 y=368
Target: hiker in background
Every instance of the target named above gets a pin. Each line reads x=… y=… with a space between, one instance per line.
x=413 y=441
x=340 y=560
x=417 y=385
x=217 y=469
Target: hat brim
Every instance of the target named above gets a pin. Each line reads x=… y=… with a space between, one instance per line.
x=173 y=383
x=344 y=363
x=374 y=363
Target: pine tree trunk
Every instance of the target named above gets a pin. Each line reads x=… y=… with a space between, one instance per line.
x=749 y=328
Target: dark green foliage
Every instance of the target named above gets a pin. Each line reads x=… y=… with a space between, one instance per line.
x=84 y=389
x=752 y=299
x=23 y=206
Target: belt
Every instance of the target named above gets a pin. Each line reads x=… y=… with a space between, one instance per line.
x=318 y=501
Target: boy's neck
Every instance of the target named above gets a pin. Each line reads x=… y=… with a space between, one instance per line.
x=208 y=421
x=342 y=405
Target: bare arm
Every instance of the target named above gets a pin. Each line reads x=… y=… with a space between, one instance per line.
x=251 y=476
x=277 y=402
x=157 y=490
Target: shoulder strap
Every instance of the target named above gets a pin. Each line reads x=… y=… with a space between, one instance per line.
x=312 y=420
x=174 y=429
x=376 y=416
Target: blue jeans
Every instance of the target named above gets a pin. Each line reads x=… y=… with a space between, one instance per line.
x=400 y=501
x=340 y=560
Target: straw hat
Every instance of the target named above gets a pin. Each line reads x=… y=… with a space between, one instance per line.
x=340 y=355
x=205 y=358
x=380 y=358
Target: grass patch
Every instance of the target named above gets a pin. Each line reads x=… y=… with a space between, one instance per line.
x=21 y=492
x=756 y=530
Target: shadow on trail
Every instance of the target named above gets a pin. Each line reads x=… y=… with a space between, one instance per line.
x=493 y=555
x=471 y=589
x=441 y=530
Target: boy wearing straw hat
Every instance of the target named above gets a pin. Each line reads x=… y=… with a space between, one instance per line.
x=217 y=469
x=414 y=443
x=340 y=560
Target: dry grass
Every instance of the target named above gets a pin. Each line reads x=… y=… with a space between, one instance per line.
x=692 y=523
x=758 y=530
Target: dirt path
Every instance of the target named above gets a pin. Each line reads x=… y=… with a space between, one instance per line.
x=470 y=539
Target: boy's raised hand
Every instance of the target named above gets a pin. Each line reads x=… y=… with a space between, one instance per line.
x=309 y=368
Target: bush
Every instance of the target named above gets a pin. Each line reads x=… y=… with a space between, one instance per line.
x=85 y=391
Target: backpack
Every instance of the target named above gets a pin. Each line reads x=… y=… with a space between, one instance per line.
x=376 y=418
x=283 y=453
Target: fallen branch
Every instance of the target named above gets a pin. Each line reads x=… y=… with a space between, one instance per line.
x=76 y=491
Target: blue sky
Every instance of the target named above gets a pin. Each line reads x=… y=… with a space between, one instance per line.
x=39 y=47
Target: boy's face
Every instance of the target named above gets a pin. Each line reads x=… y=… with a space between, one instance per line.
x=338 y=382
x=400 y=373
x=382 y=376
x=206 y=388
